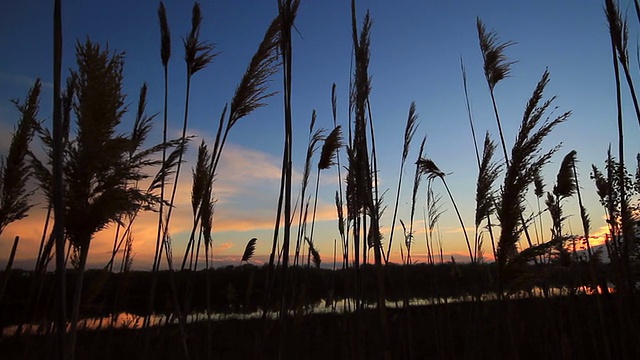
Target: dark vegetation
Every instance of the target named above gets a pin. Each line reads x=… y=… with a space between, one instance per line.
x=94 y=175
x=558 y=328
x=242 y=289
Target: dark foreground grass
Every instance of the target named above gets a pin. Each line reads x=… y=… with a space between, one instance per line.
x=536 y=328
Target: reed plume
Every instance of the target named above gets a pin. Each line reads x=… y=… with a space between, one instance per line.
x=496 y=68
x=252 y=90
x=619 y=32
x=15 y=170
x=565 y=187
x=496 y=65
x=197 y=53
x=485 y=195
x=329 y=152
x=565 y=181
x=249 y=250
x=315 y=255
x=487 y=176
x=200 y=191
x=165 y=35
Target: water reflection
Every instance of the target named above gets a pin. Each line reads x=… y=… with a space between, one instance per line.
x=132 y=321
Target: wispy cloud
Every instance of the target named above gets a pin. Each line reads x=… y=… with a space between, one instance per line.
x=246 y=190
x=22 y=80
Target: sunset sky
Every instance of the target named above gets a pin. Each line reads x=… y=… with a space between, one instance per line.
x=416 y=50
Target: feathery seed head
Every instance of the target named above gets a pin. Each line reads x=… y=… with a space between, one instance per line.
x=252 y=90
x=165 y=35
x=565 y=182
x=429 y=168
x=618 y=30
x=410 y=130
x=487 y=176
x=332 y=144
x=197 y=54
x=496 y=64
x=249 y=250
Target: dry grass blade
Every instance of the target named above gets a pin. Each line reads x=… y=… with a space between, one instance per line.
x=332 y=144
x=251 y=92
x=165 y=35
x=249 y=250
x=496 y=64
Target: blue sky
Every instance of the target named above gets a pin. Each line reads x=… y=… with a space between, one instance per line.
x=416 y=49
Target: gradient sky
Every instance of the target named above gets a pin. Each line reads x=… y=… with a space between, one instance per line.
x=416 y=47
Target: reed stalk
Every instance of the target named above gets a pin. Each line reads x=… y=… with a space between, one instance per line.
x=429 y=168
x=409 y=132
x=58 y=187
x=328 y=155
x=314 y=138
x=619 y=38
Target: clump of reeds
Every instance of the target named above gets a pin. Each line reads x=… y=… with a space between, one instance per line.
x=527 y=160
x=101 y=167
x=565 y=187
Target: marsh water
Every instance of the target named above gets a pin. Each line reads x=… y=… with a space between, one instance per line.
x=134 y=321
